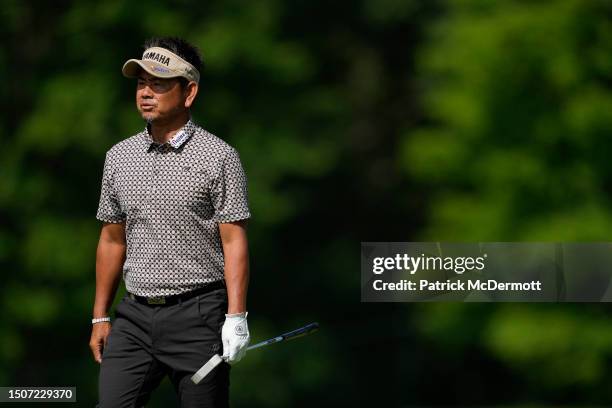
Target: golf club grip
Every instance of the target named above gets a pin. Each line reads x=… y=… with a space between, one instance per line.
x=302 y=331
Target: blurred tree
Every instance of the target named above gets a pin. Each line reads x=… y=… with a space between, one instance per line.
x=513 y=145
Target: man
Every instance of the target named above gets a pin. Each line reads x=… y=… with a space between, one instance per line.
x=174 y=208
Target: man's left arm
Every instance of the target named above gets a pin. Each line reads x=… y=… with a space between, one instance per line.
x=235 y=332
x=236 y=254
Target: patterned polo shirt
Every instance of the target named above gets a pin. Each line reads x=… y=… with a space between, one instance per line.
x=172 y=197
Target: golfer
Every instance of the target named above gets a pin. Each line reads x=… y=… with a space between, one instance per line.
x=174 y=207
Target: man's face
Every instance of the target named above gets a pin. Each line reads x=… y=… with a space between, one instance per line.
x=159 y=99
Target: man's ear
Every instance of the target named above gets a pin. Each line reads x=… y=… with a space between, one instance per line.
x=191 y=90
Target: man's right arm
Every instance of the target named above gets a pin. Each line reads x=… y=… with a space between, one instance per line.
x=110 y=257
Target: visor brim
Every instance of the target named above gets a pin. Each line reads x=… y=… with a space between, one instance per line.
x=131 y=69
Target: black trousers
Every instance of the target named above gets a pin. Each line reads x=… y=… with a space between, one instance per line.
x=148 y=342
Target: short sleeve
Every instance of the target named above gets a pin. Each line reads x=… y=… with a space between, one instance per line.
x=109 y=209
x=229 y=191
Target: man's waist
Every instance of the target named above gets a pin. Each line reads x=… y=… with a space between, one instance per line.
x=181 y=297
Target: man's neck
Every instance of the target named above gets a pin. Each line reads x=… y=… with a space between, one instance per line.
x=161 y=132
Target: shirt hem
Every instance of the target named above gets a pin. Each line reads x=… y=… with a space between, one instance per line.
x=156 y=293
x=111 y=220
x=232 y=217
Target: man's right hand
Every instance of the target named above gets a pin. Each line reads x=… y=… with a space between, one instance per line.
x=99 y=334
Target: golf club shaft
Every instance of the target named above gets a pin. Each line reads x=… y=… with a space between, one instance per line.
x=216 y=359
x=302 y=331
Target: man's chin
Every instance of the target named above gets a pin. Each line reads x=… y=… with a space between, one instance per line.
x=149 y=117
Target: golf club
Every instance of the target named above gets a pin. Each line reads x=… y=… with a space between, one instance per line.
x=217 y=359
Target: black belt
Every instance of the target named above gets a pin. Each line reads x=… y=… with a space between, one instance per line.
x=174 y=299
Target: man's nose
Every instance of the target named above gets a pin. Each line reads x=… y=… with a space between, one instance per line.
x=146 y=91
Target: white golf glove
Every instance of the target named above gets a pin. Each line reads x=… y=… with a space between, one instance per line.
x=235 y=337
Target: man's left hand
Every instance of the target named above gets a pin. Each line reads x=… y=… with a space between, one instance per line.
x=235 y=337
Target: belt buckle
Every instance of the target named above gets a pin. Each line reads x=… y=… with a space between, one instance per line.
x=156 y=300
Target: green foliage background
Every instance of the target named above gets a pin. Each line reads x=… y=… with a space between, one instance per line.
x=369 y=120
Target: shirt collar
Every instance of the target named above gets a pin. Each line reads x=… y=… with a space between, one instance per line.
x=177 y=140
